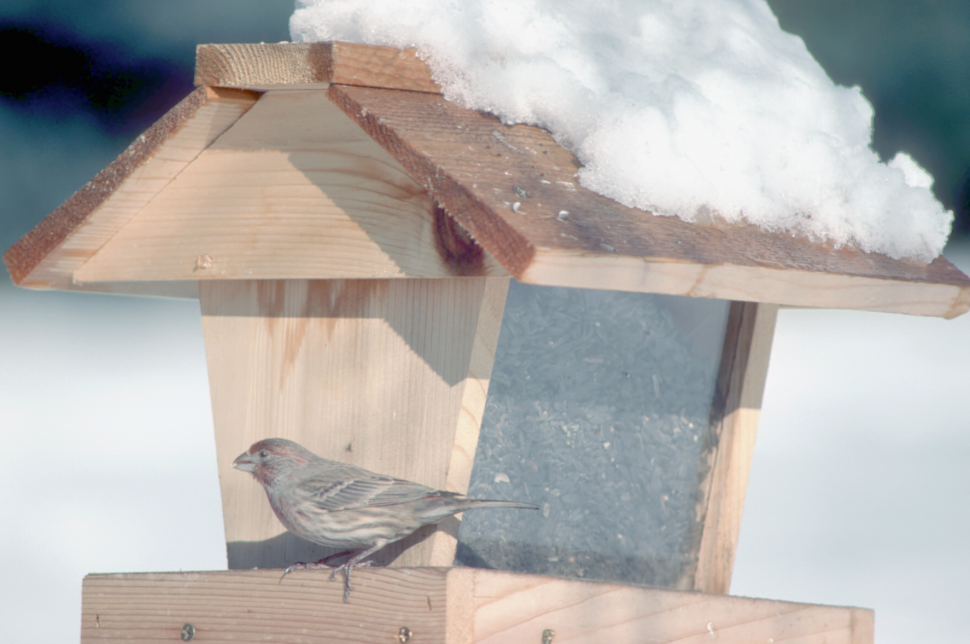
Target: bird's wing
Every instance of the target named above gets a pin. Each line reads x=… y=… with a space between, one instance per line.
x=332 y=493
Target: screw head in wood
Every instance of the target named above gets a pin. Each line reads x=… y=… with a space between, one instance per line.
x=404 y=635
x=548 y=635
x=188 y=632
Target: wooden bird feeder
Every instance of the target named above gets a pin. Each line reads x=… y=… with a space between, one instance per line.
x=350 y=235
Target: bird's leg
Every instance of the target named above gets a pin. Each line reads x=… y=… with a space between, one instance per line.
x=336 y=555
x=322 y=563
x=355 y=562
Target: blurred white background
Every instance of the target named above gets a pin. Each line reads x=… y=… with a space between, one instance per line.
x=857 y=494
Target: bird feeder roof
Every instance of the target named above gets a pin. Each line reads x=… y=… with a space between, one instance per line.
x=333 y=160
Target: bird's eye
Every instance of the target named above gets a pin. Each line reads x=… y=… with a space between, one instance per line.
x=264 y=454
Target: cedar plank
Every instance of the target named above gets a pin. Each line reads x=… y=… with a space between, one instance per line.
x=53 y=230
x=506 y=245
x=473 y=165
x=289 y=65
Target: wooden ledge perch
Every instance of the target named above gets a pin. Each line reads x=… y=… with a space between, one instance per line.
x=339 y=161
x=441 y=605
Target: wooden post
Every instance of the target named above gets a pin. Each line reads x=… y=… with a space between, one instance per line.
x=390 y=375
x=735 y=412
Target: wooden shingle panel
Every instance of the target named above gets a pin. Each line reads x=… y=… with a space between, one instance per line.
x=515 y=190
x=48 y=255
x=293 y=190
x=512 y=190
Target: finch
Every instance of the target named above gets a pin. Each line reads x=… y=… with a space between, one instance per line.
x=338 y=505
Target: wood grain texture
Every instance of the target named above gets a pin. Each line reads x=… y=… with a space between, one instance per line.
x=517 y=608
x=460 y=586
x=735 y=413
x=515 y=190
x=491 y=607
x=512 y=188
x=390 y=375
x=311 y=65
x=294 y=189
x=48 y=255
x=939 y=293
x=252 y=605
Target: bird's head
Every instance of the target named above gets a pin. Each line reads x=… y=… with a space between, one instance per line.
x=272 y=458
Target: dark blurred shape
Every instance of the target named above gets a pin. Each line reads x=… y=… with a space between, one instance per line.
x=961 y=227
x=54 y=73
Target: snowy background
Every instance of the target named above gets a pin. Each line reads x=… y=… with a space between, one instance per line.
x=857 y=492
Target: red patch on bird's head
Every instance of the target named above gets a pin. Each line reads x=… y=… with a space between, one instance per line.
x=270 y=459
x=280 y=447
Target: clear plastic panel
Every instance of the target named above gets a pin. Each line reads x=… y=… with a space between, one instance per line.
x=598 y=411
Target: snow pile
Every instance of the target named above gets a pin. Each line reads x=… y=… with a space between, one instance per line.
x=686 y=107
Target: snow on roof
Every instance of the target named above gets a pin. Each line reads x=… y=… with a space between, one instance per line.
x=688 y=108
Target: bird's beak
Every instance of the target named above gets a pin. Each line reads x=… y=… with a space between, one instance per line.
x=245 y=463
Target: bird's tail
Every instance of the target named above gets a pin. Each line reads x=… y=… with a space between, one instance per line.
x=474 y=504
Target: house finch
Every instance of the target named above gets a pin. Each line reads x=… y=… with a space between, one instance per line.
x=342 y=506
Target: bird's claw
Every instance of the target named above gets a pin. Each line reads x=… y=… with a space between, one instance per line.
x=288 y=570
x=345 y=570
x=347 y=587
x=305 y=566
